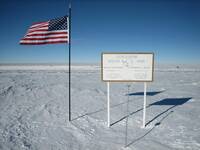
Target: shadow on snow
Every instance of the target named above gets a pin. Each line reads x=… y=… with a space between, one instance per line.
x=173 y=102
x=156 y=124
x=142 y=93
x=116 y=105
x=168 y=101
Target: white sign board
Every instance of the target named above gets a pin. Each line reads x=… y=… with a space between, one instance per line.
x=127 y=67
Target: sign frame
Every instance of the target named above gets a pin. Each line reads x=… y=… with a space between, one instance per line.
x=139 y=53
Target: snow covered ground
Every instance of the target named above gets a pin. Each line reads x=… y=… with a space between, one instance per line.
x=34 y=110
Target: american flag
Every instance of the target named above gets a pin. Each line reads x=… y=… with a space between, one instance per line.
x=48 y=32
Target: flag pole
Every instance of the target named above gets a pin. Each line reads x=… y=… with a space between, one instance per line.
x=69 y=61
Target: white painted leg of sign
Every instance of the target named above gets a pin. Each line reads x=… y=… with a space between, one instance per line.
x=108 y=103
x=144 y=106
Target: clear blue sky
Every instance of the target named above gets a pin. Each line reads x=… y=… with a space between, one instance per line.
x=169 y=28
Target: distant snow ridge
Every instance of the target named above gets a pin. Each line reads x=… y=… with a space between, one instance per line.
x=159 y=67
x=48 y=67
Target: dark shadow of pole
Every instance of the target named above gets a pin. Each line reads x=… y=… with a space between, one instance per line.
x=160 y=115
x=102 y=109
x=130 y=94
x=153 y=93
x=127 y=116
x=168 y=101
x=156 y=124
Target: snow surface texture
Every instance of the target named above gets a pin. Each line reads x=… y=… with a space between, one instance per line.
x=34 y=110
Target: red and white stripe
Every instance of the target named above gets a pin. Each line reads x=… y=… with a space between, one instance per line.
x=38 y=34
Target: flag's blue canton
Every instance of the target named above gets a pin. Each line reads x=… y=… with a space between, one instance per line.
x=58 y=24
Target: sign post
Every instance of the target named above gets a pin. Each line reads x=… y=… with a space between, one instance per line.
x=108 y=103
x=144 y=106
x=127 y=112
x=127 y=67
